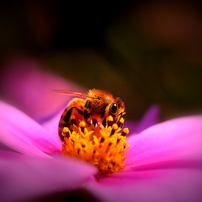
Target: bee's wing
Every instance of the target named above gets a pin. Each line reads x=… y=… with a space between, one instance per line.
x=72 y=93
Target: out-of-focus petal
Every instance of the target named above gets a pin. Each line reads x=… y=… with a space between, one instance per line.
x=151 y=117
x=25 y=85
x=24 y=178
x=24 y=134
x=15 y=141
x=159 y=185
x=52 y=125
x=179 y=138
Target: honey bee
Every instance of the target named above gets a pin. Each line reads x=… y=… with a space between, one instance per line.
x=93 y=107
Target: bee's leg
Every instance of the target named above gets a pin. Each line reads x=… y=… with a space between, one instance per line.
x=104 y=122
x=86 y=115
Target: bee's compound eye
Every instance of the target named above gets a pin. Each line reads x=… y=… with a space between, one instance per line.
x=87 y=105
x=113 y=108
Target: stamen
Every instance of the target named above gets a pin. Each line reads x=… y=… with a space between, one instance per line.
x=125 y=132
x=103 y=146
x=110 y=120
x=120 y=122
x=114 y=128
x=66 y=132
x=82 y=125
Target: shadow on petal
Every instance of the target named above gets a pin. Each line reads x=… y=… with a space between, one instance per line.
x=80 y=195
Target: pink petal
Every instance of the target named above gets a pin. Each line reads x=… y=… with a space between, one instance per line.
x=151 y=117
x=24 y=178
x=172 y=140
x=24 y=134
x=25 y=85
x=15 y=141
x=164 y=164
x=52 y=125
x=159 y=185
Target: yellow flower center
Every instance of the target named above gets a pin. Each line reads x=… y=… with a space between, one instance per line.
x=103 y=146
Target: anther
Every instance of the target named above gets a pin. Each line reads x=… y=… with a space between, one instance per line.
x=110 y=120
x=114 y=128
x=120 y=122
x=82 y=125
x=66 y=132
x=125 y=132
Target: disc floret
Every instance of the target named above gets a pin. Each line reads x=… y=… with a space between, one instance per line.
x=103 y=146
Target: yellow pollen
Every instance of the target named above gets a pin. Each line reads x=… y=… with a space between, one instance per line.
x=121 y=120
x=65 y=130
x=115 y=126
x=126 y=130
x=109 y=118
x=82 y=124
x=103 y=146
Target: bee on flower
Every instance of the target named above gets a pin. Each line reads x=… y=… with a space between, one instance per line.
x=91 y=129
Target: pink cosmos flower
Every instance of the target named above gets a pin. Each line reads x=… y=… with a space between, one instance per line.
x=31 y=163
x=164 y=163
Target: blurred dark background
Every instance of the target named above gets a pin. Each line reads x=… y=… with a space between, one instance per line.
x=146 y=52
